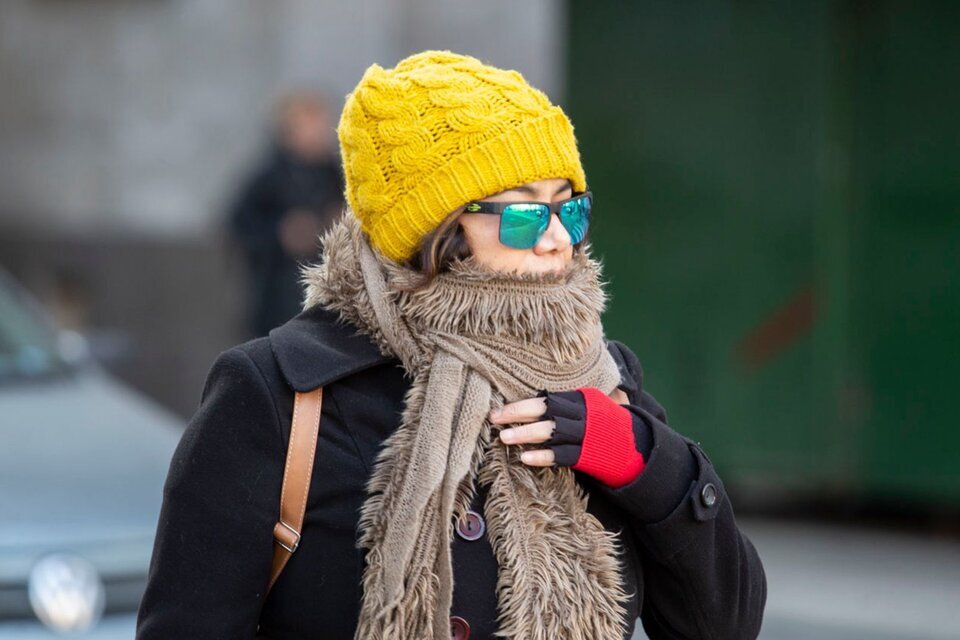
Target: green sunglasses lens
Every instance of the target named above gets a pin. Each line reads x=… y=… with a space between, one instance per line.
x=575 y=216
x=522 y=224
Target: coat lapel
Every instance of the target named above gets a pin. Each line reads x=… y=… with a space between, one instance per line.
x=316 y=348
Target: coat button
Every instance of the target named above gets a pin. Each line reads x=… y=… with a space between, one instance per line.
x=459 y=629
x=708 y=495
x=471 y=526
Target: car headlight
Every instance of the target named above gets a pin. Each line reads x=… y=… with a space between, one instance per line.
x=66 y=592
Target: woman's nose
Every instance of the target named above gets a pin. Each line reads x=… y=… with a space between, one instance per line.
x=555 y=238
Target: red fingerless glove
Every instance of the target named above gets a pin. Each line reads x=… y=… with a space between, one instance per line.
x=596 y=435
x=609 y=452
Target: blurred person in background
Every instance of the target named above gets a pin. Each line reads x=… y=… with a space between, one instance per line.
x=488 y=463
x=292 y=196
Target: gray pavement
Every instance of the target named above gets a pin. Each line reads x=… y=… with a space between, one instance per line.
x=843 y=583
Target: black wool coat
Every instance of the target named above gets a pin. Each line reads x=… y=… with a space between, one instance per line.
x=691 y=571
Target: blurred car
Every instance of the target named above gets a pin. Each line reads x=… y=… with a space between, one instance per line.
x=82 y=464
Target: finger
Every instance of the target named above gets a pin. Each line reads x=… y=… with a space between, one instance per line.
x=619 y=396
x=566 y=455
x=537 y=458
x=520 y=411
x=568 y=431
x=532 y=433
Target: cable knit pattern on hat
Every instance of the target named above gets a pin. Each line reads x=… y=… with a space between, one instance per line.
x=441 y=129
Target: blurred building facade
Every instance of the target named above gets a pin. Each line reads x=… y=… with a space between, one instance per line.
x=777 y=189
x=125 y=126
x=778 y=200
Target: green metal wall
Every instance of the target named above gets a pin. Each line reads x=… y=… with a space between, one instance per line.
x=778 y=208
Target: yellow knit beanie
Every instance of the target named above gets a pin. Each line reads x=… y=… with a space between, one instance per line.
x=439 y=130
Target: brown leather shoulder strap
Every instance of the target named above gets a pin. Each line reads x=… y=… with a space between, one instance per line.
x=296 y=478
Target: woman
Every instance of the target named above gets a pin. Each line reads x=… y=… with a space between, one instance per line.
x=487 y=462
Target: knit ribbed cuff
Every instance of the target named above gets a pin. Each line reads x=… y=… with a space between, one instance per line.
x=609 y=452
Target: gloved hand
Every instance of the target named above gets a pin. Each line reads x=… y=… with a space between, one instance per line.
x=584 y=429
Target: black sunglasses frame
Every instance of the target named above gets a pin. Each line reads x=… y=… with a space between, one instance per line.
x=481 y=206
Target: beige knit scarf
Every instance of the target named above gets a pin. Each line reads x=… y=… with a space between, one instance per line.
x=473 y=340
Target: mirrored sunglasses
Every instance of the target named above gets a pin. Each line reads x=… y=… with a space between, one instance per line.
x=523 y=223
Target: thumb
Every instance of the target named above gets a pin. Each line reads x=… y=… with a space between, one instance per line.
x=619 y=396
